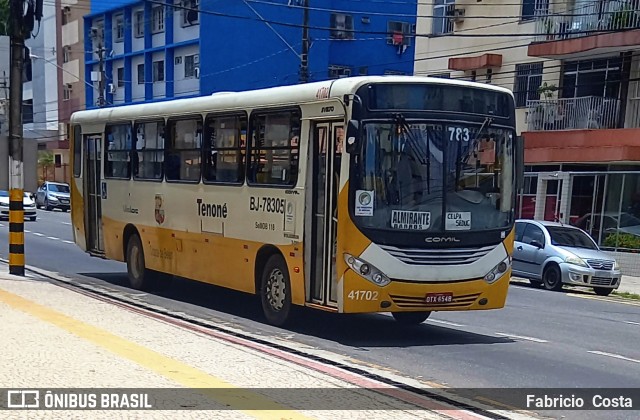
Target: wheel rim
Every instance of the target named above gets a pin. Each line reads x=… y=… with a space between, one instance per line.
x=552 y=277
x=136 y=261
x=276 y=289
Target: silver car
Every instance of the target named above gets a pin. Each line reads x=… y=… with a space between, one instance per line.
x=553 y=254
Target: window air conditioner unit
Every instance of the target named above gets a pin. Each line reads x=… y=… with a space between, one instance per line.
x=456 y=14
x=111 y=88
x=196 y=72
x=177 y=60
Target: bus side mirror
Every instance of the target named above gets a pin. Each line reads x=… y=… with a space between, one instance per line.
x=353 y=137
x=519 y=163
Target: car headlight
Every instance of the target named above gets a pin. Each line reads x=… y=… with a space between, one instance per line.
x=497 y=271
x=53 y=198
x=4 y=204
x=575 y=260
x=366 y=270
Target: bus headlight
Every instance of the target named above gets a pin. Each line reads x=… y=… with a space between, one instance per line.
x=498 y=271
x=366 y=270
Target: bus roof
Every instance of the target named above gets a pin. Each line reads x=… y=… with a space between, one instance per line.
x=275 y=96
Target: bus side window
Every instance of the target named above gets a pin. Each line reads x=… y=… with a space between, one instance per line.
x=223 y=148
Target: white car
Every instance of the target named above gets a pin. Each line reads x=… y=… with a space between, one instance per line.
x=27 y=203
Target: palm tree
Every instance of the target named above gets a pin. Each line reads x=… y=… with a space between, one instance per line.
x=4 y=17
x=45 y=161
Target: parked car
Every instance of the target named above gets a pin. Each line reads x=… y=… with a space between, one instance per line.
x=27 y=204
x=612 y=222
x=553 y=254
x=53 y=195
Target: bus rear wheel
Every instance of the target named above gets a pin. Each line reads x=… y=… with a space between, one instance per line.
x=411 y=318
x=275 y=291
x=136 y=269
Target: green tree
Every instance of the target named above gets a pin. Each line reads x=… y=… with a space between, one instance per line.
x=45 y=161
x=4 y=17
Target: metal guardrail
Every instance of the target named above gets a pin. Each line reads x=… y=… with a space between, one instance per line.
x=587 y=19
x=588 y=112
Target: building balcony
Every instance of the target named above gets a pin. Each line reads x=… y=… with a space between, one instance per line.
x=588 y=112
x=589 y=129
x=592 y=28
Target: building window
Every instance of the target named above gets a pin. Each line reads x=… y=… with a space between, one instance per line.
x=117 y=162
x=97 y=32
x=138 y=23
x=140 y=74
x=341 y=26
x=527 y=83
x=57 y=160
x=190 y=14
x=224 y=148
x=157 y=19
x=489 y=75
x=120 y=76
x=442 y=23
x=66 y=92
x=336 y=72
x=275 y=140
x=27 y=111
x=397 y=33
x=191 y=63
x=148 y=155
x=66 y=54
x=533 y=8
x=183 y=154
x=118 y=27
x=600 y=78
x=66 y=15
x=158 y=71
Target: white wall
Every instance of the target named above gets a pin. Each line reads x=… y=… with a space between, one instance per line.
x=187 y=33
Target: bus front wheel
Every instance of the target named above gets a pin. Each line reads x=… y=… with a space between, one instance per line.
x=136 y=268
x=411 y=318
x=275 y=291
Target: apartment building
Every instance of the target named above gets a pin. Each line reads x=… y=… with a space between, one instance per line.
x=574 y=67
x=150 y=51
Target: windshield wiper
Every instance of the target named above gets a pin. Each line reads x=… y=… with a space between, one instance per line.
x=472 y=147
x=404 y=127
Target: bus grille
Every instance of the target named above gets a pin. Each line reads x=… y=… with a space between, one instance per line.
x=455 y=256
x=418 y=302
x=601 y=264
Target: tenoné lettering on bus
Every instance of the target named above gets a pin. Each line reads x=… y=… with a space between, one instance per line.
x=211 y=210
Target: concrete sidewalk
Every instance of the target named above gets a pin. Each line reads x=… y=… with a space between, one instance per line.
x=53 y=337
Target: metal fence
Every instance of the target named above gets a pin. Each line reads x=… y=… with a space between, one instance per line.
x=588 y=112
x=587 y=19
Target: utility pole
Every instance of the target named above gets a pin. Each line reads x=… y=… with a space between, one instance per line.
x=22 y=16
x=97 y=37
x=304 y=57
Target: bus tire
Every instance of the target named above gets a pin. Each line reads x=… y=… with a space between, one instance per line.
x=136 y=269
x=275 y=291
x=411 y=318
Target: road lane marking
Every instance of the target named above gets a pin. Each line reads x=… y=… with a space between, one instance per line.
x=53 y=238
x=615 y=356
x=38 y=234
x=68 y=242
x=522 y=337
x=27 y=231
x=453 y=324
x=601 y=299
x=632 y=323
x=168 y=367
x=66 y=223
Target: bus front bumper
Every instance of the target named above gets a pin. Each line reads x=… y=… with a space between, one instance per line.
x=360 y=295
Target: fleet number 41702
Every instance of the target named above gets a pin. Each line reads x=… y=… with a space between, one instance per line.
x=363 y=295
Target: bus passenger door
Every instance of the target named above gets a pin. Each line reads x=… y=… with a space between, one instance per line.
x=324 y=178
x=93 y=194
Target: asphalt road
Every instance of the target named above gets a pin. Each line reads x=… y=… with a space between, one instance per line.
x=541 y=339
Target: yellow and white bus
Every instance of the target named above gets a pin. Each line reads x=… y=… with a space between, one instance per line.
x=366 y=194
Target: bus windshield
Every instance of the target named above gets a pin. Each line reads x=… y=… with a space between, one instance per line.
x=429 y=177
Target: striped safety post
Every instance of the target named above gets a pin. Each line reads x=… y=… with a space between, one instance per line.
x=16 y=232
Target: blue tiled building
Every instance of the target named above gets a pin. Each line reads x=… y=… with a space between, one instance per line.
x=156 y=50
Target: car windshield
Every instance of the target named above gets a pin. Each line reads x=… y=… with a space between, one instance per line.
x=563 y=236
x=434 y=177
x=59 y=188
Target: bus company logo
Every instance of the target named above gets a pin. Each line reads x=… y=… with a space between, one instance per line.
x=159 y=210
x=23 y=398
